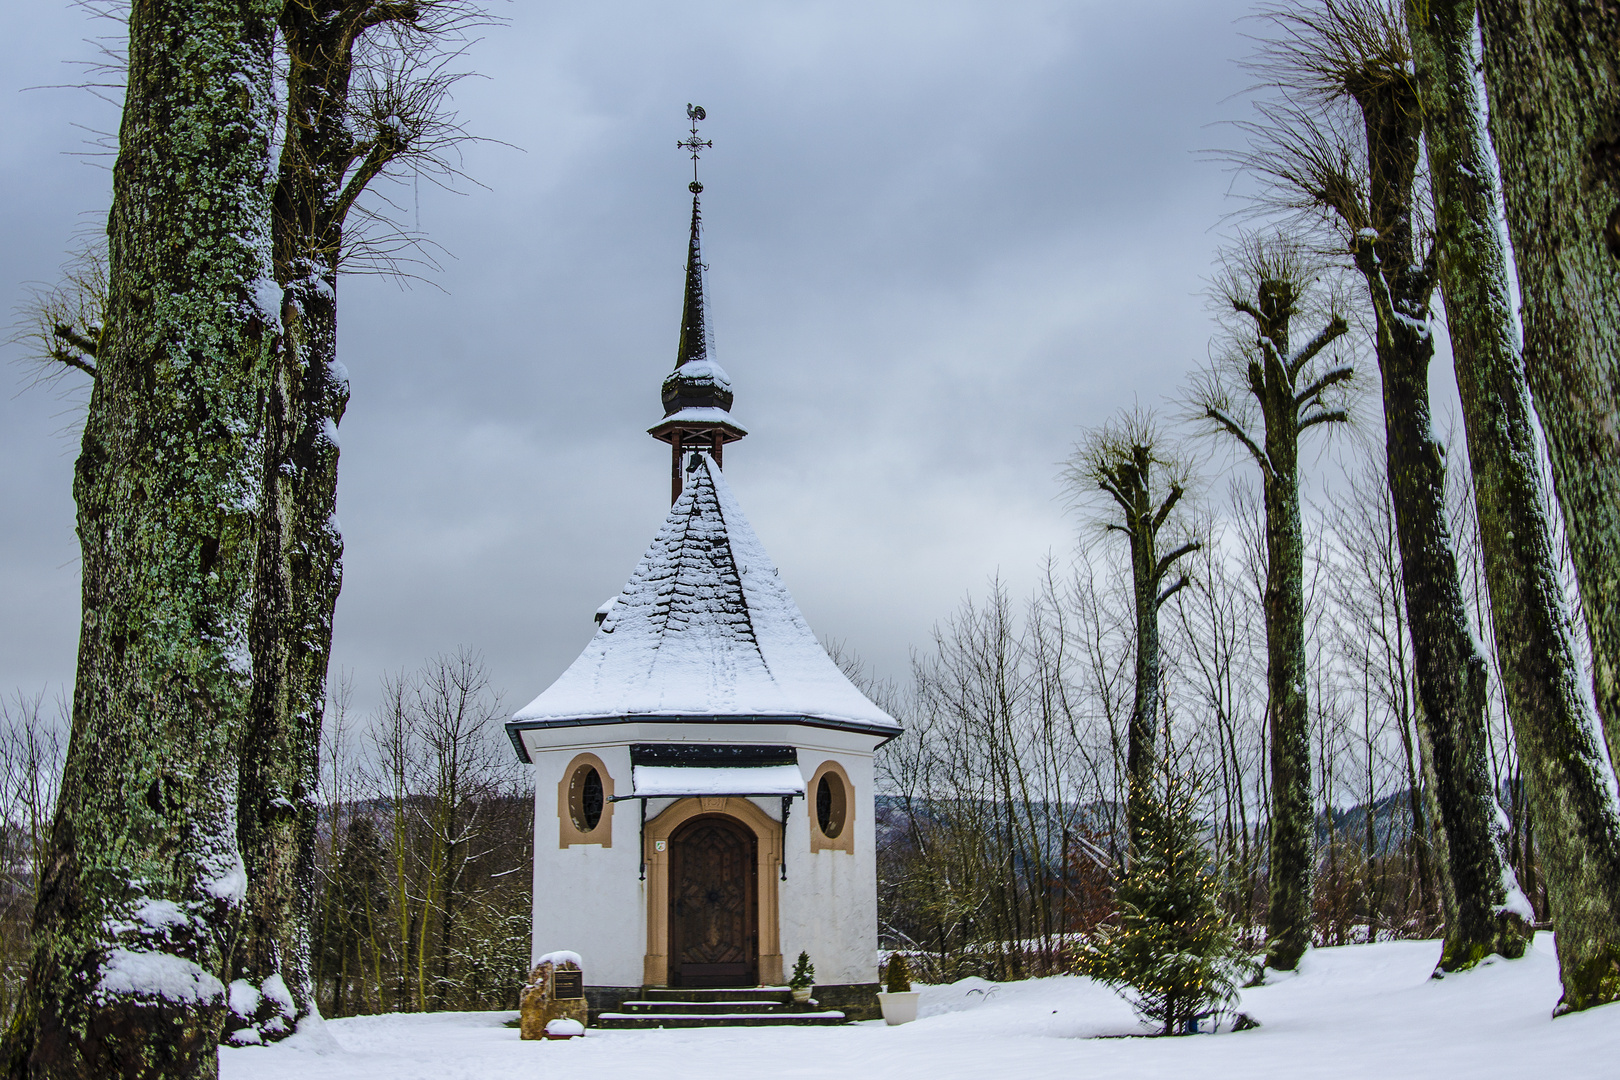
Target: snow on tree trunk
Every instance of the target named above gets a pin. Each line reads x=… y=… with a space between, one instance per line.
x=1540 y=665
x=325 y=162
x=1554 y=85
x=1555 y=93
x=1447 y=658
x=143 y=888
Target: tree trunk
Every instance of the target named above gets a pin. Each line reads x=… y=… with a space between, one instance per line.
x=300 y=550
x=1554 y=82
x=1451 y=672
x=1540 y=663
x=143 y=886
x=1551 y=71
x=1292 y=864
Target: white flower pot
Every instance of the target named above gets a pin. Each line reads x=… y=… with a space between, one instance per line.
x=899 y=1008
x=801 y=994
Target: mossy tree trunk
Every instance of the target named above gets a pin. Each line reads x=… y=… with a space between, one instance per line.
x=143 y=885
x=332 y=149
x=1287 y=391
x=1541 y=669
x=1552 y=69
x=1120 y=459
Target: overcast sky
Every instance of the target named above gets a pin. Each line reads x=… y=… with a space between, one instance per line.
x=943 y=239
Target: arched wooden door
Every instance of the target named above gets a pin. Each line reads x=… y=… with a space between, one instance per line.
x=713 y=904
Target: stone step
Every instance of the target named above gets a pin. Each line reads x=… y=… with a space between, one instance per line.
x=717 y=994
x=676 y=1008
x=614 y=1021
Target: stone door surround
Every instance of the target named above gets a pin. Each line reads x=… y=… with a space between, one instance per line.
x=766 y=829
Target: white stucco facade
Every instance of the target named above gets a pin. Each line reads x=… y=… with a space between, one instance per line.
x=592 y=898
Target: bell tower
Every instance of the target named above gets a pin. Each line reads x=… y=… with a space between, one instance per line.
x=697 y=394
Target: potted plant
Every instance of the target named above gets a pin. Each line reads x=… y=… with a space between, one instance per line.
x=803 y=980
x=898 y=1000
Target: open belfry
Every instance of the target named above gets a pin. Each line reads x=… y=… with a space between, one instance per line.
x=703 y=771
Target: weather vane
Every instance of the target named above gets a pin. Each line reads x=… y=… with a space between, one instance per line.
x=694 y=144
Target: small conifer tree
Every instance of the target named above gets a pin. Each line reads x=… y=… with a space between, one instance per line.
x=897 y=976
x=804 y=973
x=1173 y=953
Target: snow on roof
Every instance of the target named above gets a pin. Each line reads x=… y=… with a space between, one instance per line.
x=705 y=628
x=696 y=414
x=668 y=781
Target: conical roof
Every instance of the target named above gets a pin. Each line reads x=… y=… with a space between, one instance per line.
x=705 y=629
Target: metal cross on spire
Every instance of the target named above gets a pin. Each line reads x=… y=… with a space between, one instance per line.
x=694 y=144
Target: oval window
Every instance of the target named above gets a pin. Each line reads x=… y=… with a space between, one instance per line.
x=830 y=805
x=585 y=798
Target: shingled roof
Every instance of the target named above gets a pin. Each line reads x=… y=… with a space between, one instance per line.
x=705 y=630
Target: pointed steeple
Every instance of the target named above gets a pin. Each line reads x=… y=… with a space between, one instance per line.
x=694 y=338
x=697 y=394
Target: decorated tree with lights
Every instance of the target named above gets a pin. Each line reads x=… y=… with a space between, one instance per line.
x=1172 y=952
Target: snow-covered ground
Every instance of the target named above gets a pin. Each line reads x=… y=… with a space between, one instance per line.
x=1364 y=1011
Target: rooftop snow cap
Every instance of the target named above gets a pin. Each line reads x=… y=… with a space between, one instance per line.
x=705 y=629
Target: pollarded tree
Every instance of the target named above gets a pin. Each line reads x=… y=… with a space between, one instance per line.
x=1266 y=393
x=1129 y=459
x=1341 y=145
x=143 y=889
x=367 y=86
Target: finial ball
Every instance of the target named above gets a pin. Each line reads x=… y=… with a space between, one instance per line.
x=694 y=187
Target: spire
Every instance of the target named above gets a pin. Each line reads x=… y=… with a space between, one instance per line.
x=697 y=394
x=694 y=339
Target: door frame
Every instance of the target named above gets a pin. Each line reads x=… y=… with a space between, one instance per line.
x=768 y=847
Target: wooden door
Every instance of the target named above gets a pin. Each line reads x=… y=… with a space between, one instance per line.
x=713 y=904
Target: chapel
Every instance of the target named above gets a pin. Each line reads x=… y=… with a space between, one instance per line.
x=704 y=771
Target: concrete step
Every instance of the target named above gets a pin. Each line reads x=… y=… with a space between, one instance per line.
x=614 y=1021
x=779 y=994
x=699 y=1008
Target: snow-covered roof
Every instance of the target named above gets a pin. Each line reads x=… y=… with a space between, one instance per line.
x=670 y=781
x=705 y=628
x=696 y=414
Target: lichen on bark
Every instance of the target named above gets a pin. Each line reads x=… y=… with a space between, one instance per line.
x=141 y=896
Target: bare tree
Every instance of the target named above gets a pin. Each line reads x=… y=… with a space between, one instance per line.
x=31 y=750
x=1130 y=460
x=1265 y=393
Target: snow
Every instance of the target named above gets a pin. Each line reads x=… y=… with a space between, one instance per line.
x=673 y=780
x=699 y=415
x=705 y=627
x=1351 y=1013
x=142 y=974
x=565 y=1026
x=560 y=957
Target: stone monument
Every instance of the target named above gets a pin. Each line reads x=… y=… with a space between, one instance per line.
x=556 y=989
